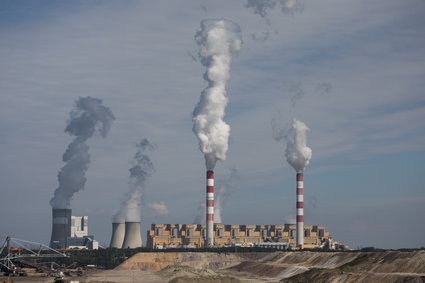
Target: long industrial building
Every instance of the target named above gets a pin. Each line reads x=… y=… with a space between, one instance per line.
x=193 y=235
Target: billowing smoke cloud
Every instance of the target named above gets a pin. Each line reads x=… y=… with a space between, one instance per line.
x=159 y=208
x=225 y=189
x=88 y=117
x=297 y=153
x=141 y=170
x=218 y=40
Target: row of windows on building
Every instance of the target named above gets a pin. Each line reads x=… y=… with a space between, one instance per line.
x=235 y=233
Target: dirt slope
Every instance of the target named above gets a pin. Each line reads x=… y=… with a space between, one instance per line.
x=389 y=266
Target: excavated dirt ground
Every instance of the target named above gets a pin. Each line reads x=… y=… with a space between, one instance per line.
x=389 y=266
x=190 y=267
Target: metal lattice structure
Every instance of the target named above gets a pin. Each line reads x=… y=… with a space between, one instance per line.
x=26 y=249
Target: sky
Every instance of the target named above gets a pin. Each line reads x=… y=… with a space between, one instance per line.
x=352 y=71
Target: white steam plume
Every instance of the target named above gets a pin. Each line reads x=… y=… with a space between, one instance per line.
x=217 y=40
x=88 y=117
x=141 y=170
x=225 y=188
x=297 y=153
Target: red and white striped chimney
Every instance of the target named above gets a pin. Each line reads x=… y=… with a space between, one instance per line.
x=300 y=210
x=209 y=237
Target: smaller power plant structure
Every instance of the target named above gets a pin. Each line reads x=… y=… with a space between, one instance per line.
x=126 y=235
x=70 y=231
x=133 y=237
x=118 y=233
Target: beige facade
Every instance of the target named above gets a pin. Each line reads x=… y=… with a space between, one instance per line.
x=192 y=235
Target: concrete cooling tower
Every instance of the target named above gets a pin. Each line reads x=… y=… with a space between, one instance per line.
x=118 y=233
x=61 y=227
x=133 y=237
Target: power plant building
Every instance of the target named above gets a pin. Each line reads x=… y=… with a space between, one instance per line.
x=193 y=235
x=79 y=226
x=70 y=231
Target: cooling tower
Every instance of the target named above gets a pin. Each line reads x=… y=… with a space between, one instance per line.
x=118 y=232
x=133 y=237
x=61 y=227
x=300 y=210
x=209 y=237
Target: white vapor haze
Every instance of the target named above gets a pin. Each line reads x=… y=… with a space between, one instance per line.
x=200 y=214
x=141 y=170
x=260 y=7
x=297 y=153
x=225 y=188
x=159 y=209
x=217 y=40
x=88 y=117
x=291 y=6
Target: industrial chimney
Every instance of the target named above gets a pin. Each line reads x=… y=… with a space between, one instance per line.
x=300 y=210
x=209 y=237
x=133 y=237
x=118 y=233
x=61 y=227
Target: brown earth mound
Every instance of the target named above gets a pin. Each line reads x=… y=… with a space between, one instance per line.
x=160 y=260
x=189 y=274
x=389 y=266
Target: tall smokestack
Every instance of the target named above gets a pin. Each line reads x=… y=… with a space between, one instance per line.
x=209 y=237
x=300 y=210
x=118 y=233
x=218 y=40
x=298 y=155
x=61 y=227
x=133 y=237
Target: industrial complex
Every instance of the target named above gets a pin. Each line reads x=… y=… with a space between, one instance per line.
x=70 y=231
x=278 y=236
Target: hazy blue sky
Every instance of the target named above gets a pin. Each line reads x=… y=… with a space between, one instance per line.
x=353 y=71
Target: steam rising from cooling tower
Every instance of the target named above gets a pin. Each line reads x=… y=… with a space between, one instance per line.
x=141 y=170
x=217 y=40
x=88 y=117
x=297 y=153
x=128 y=235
